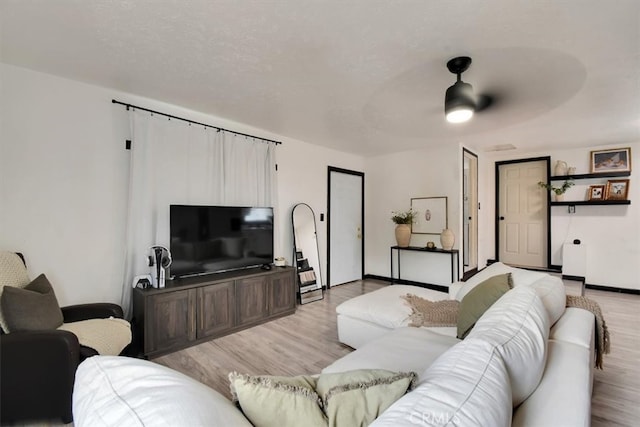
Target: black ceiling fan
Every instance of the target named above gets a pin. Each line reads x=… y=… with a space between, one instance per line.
x=460 y=103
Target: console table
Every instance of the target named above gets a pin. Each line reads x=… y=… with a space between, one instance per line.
x=452 y=254
x=193 y=310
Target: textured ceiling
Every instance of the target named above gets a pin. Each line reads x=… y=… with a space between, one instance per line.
x=363 y=76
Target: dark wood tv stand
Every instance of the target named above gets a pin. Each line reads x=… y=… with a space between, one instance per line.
x=193 y=310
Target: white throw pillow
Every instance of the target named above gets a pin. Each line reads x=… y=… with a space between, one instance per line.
x=517 y=326
x=519 y=276
x=121 y=391
x=551 y=291
x=467 y=386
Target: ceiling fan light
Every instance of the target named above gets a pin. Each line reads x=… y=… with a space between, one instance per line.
x=460 y=115
x=459 y=103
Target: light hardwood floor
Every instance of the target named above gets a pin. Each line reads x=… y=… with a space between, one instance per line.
x=307 y=341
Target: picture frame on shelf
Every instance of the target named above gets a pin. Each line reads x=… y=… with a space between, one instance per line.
x=431 y=215
x=596 y=192
x=613 y=160
x=617 y=189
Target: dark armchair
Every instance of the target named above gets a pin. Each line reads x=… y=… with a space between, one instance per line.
x=37 y=368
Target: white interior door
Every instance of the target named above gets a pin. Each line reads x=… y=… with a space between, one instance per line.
x=345 y=226
x=522 y=214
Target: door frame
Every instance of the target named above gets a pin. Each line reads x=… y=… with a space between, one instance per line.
x=547 y=160
x=475 y=209
x=348 y=172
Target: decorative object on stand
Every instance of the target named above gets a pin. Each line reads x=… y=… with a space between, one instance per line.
x=561 y=168
x=447 y=239
x=280 y=262
x=617 y=189
x=430 y=215
x=558 y=191
x=403 y=221
x=430 y=246
x=613 y=160
x=571 y=170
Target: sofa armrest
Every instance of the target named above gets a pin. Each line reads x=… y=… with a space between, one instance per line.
x=75 y=313
x=37 y=370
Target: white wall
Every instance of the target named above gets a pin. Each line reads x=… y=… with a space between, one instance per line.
x=64 y=178
x=390 y=183
x=611 y=233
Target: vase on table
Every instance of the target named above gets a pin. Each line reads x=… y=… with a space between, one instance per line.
x=559 y=197
x=403 y=235
x=447 y=239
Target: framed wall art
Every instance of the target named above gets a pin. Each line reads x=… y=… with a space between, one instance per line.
x=431 y=215
x=617 y=189
x=615 y=160
x=596 y=192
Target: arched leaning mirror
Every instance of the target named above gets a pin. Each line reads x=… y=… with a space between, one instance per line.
x=306 y=255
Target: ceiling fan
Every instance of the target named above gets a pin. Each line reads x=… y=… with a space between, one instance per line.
x=460 y=103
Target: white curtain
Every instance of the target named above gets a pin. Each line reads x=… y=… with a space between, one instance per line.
x=173 y=162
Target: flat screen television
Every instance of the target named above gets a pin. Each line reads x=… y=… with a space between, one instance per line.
x=213 y=239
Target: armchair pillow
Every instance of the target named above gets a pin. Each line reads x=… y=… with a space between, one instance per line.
x=33 y=308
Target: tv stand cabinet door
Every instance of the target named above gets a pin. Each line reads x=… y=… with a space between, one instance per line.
x=170 y=320
x=282 y=293
x=252 y=299
x=216 y=309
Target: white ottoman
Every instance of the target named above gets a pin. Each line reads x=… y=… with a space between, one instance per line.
x=369 y=316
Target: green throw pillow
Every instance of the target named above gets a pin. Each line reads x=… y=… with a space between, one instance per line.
x=479 y=299
x=345 y=399
x=357 y=398
x=269 y=401
x=35 y=307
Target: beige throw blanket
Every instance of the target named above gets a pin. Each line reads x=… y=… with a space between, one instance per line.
x=603 y=341
x=445 y=313
x=106 y=336
x=432 y=313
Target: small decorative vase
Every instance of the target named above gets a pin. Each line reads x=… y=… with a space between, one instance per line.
x=447 y=239
x=403 y=235
x=559 y=197
x=560 y=169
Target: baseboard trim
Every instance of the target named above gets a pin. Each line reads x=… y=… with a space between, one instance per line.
x=409 y=282
x=613 y=289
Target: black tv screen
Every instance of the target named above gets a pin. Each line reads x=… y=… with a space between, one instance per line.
x=213 y=239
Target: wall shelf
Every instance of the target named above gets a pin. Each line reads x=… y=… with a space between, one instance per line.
x=591 y=203
x=590 y=176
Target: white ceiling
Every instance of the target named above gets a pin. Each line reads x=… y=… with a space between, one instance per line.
x=363 y=76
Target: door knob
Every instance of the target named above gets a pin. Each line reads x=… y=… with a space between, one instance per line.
x=501 y=218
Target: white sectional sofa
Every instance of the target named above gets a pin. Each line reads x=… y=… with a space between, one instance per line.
x=527 y=362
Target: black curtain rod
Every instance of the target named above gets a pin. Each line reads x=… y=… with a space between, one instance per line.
x=193 y=122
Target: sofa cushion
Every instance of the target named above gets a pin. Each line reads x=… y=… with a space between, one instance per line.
x=395 y=313
x=122 y=391
x=519 y=276
x=13 y=272
x=517 y=327
x=30 y=309
x=551 y=291
x=404 y=349
x=277 y=401
x=563 y=397
x=352 y=398
x=479 y=299
x=467 y=386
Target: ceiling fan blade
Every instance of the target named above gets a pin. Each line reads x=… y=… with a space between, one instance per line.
x=483 y=102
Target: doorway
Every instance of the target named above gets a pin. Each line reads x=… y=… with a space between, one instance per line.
x=469 y=211
x=345 y=226
x=522 y=213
